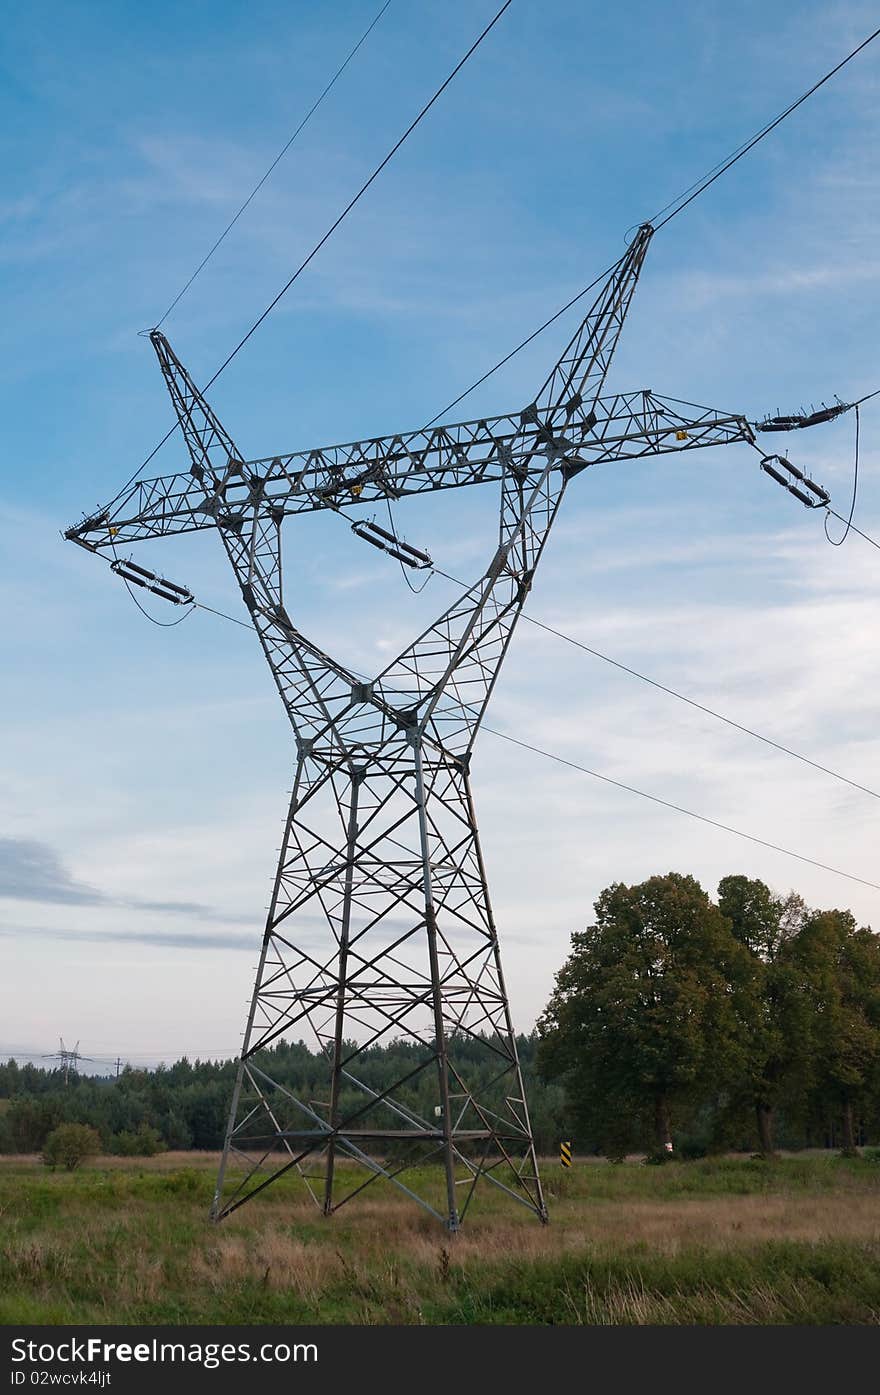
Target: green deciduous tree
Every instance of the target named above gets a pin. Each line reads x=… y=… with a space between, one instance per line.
x=643 y=1017
x=30 y=1121
x=768 y=996
x=839 y=966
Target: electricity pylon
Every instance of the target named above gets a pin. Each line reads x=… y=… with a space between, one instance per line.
x=66 y=1058
x=380 y=928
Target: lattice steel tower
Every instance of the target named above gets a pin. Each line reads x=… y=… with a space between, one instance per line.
x=381 y=840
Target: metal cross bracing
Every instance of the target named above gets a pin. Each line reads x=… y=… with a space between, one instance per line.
x=380 y=929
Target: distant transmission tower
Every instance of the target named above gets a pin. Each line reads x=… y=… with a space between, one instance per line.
x=67 y=1059
x=380 y=928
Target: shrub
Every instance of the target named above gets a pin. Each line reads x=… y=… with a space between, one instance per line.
x=143 y=1144
x=187 y=1181
x=70 y=1144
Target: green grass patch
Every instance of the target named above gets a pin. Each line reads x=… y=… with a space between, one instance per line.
x=718 y=1240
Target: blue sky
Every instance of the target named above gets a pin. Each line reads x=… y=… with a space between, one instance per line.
x=144 y=770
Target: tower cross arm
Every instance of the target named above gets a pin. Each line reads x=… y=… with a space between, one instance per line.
x=624 y=425
x=409 y=462
x=634 y=424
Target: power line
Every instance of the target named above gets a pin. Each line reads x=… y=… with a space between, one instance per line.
x=245 y=624
x=677 y=207
x=694 y=191
x=624 y=668
x=709 y=711
x=416 y=590
x=854 y=529
x=672 y=692
x=363 y=189
x=848 y=523
x=7 y=1054
x=278 y=158
x=194 y=605
x=679 y=809
x=162 y=624
x=329 y=233
x=838 y=542
x=656 y=799
x=522 y=344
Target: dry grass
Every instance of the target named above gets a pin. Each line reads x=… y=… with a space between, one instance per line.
x=171 y=1161
x=730 y=1241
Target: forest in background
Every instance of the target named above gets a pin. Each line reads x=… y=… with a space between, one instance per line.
x=748 y=1022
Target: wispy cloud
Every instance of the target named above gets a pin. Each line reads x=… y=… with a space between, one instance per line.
x=31 y=870
x=161 y=939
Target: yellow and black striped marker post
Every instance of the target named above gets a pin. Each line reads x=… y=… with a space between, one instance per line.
x=565 y=1154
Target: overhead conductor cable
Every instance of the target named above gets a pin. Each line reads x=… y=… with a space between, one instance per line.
x=330 y=231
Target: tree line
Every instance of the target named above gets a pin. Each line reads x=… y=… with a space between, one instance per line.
x=738 y=1022
x=186 y=1105
x=678 y=1024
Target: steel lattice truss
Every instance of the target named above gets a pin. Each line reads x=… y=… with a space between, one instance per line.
x=380 y=928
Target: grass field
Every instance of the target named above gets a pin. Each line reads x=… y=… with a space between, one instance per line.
x=716 y=1241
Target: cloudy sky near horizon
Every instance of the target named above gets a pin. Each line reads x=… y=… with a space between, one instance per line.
x=144 y=770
